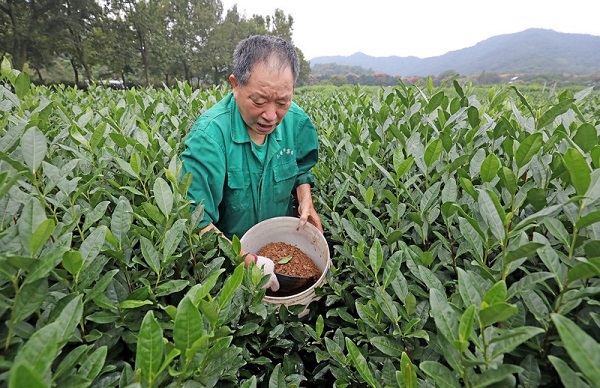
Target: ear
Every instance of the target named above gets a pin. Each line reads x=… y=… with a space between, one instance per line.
x=233 y=81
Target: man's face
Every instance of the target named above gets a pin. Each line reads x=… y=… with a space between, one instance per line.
x=264 y=100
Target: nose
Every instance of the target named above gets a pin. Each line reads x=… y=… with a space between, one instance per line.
x=270 y=113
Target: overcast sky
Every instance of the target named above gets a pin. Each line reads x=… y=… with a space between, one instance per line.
x=421 y=28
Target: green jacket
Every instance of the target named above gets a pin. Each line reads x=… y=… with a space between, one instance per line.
x=228 y=179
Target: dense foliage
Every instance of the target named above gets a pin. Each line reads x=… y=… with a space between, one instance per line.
x=134 y=41
x=465 y=238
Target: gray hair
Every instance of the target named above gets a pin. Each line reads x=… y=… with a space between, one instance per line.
x=266 y=49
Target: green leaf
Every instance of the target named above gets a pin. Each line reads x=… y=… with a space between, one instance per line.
x=568 y=377
x=164 y=196
x=388 y=346
x=41 y=349
x=583 y=348
x=579 y=170
x=149 y=350
x=28 y=299
x=507 y=177
x=588 y=219
x=391 y=268
x=34 y=146
x=93 y=364
x=22 y=374
x=277 y=379
x=585 y=269
x=524 y=250
x=496 y=294
x=509 y=339
x=441 y=375
x=150 y=254
x=376 y=256
x=22 y=84
x=492 y=213
x=409 y=374
x=433 y=152
x=445 y=317
x=491 y=376
x=92 y=245
x=41 y=235
x=199 y=291
x=497 y=312
x=586 y=137
x=231 y=285
x=285 y=260
x=489 y=168
x=360 y=363
x=554 y=111
x=188 y=326
x=72 y=262
x=465 y=327
x=528 y=148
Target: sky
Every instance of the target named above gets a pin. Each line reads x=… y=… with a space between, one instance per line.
x=420 y=28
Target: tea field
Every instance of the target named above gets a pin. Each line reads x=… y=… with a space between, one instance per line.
x=464 y=231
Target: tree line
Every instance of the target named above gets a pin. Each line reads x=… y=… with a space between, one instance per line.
x=143 y=41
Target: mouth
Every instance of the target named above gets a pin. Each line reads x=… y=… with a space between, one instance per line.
x=265 y=127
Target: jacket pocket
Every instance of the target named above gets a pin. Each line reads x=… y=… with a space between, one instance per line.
x=238 y=194
x=285 y=176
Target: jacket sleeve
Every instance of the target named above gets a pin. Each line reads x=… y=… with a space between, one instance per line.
x=204 y=158
x=307 y=152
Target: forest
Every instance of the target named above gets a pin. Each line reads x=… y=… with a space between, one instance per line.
x=143 y=42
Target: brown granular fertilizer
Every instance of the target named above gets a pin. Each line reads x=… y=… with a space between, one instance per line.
x=299 y=265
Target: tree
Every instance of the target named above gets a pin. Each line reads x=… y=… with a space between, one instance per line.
x=81 y=35
x=190 y=25
x=23 y=24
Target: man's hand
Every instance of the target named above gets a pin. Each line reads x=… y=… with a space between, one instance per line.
x=268 y=267
x=306 y=210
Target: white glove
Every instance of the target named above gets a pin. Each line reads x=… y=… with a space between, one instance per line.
x=268 y=267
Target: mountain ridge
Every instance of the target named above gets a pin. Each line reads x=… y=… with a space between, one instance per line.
x=532 y=51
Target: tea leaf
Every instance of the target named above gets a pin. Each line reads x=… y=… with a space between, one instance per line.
x=285 y=260
x=445 y=317
x=568 y=377
x=388 y=346
x=408 y=372
x=497 y=312
x=149 y=350
x=41 y=349
x=164 y=196
x=587 y=268
x=376 y=257
x=489 y=168
x=150 y=254
x=443 y=377
x=583 y=349
x=34 y=146
x=231 y=285
x=188 y=324
x=465 y=327
x=554 y=111
x=41 y=235
x=433 y=152
x=22 y=374
x=93 y=364
x=392 y=265
x=511 y=338
x=528 y=149
x=29 y=298
x=360 y=363
x=579 y=170
x=492 y=214
x=491 y=376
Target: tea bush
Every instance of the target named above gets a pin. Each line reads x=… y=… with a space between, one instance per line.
x=464 y=233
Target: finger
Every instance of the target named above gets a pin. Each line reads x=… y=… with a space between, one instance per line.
x=274 y=283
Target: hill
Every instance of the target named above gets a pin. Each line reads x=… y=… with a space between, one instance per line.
x=533 y=51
